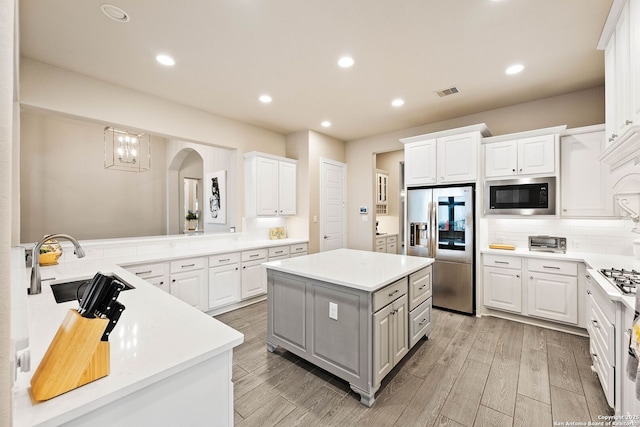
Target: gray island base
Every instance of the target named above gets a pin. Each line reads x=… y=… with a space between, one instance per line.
x=352 y=313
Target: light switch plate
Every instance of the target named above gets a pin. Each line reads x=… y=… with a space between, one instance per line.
x=333 y=311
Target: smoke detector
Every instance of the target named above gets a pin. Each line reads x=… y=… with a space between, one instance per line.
x=446 y=92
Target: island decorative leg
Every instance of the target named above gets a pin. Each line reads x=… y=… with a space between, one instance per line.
x=271 y=348
x=366 y=397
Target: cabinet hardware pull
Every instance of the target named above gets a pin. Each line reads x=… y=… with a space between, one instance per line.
x=162 y=283
x=517 y=276
x=254 y=255
x=595 y=323
x=551 y=267
x=588 y=277
x=394 y=292
x=530 y=277
x=224 y=260
x=502 y=262
x=422 y=287
x=279 y=252
x=422 y=322
x=143 y=272
x=188 y=265
x=588 y=292
x=628 y=122
x=174 y=280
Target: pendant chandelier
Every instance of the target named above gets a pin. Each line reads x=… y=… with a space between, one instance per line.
x=126 y=151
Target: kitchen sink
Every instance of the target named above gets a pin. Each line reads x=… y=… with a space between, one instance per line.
x=70 y=291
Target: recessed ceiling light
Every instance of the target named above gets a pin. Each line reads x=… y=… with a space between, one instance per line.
x=514 y=69
x=326 y=124
x=114 y=12
x=345 y=62
x=397 y=102
x=265 y=99
x=165 y=60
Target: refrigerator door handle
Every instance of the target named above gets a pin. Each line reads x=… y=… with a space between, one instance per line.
x=434 y=229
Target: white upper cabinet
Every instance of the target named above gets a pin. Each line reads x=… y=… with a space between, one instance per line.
x=270 y=185
x=533 y=155
x=586 y=189
x=443 y=157
x=620 y=40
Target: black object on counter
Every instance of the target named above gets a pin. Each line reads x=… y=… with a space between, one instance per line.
x=113 y=315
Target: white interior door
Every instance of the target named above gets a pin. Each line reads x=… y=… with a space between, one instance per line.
x=332 y=207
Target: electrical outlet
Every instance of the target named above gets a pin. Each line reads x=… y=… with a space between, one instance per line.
x=333 y=311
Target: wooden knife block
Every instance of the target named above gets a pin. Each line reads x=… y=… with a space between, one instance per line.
x=75 y=357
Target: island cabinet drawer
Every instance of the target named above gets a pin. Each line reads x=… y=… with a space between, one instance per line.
x=280 y=251
x=502 y=261
x=187 y=264
x=392 y=239
x=380 y=241
x=419 y=287
x=298 y=249
x=224 y=259
x=419 y=322
x=553 y=266
x=254 y=255
x=148 y=270
x=389 y=294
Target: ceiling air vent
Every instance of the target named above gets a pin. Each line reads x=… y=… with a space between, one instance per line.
x=446 y=92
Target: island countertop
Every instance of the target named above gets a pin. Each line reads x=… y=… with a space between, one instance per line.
x=363 y=270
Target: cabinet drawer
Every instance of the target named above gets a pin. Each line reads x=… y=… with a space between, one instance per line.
x=605 y=371
x=381 y=248
x=280 y=251
x=224 y=259
x=553 y=266
x=392 y=239
x=419 y=322
x=187 y=264
x=389 y=294
x=605 y=304
x=502 y=261
x=392 y=248
x=254 y=255
x=299 y=248
x=601 y=330
x=147 y=270
x=381 y=241
x=419 y=287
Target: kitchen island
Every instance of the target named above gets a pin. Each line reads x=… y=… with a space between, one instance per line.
x=353 y=313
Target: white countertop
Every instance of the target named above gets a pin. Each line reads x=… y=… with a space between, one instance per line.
x=363 y=270
x=157 y=336
x=594 y=261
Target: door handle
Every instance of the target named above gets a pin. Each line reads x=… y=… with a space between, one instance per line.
x=326 y=237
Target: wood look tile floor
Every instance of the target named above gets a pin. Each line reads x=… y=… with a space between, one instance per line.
x=471 y=372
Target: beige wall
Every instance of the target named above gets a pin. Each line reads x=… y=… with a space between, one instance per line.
x=309 y=147
x=574 y=110
x=66 y=189
x=56 y=90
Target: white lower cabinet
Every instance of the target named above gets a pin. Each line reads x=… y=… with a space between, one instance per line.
x=254 y=277
x=157 y=274
x=188 y=281
x=224 y=279
x=502 y=278
x=553 y=290
x=298 y=250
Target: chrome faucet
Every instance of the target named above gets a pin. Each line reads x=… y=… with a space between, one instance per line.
x=36 y=286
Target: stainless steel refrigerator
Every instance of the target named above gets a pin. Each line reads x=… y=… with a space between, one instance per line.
x=440 y=225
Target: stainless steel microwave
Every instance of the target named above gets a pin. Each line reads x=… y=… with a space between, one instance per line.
x=523 y=196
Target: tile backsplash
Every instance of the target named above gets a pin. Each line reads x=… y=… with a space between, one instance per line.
x=612 y=236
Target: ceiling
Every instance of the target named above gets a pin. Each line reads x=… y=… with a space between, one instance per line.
x=229 y=52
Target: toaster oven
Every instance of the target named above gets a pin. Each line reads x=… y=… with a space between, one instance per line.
x=548 y=244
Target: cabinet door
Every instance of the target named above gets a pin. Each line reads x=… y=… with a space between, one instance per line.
x=224 y=285
x=420 y=162
x=536 y=155
x=623 y=107
x=503 y=289
x=553 y=296
x=400 y=323
x=585 y=179
x=254 y=280
x=160 y=282
x=286 y=188
x=381 y=187
x=187 y=287
x=610 y=83
x=501 y=159
x=266 y=184
x=457 y=158
x=382 y=340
